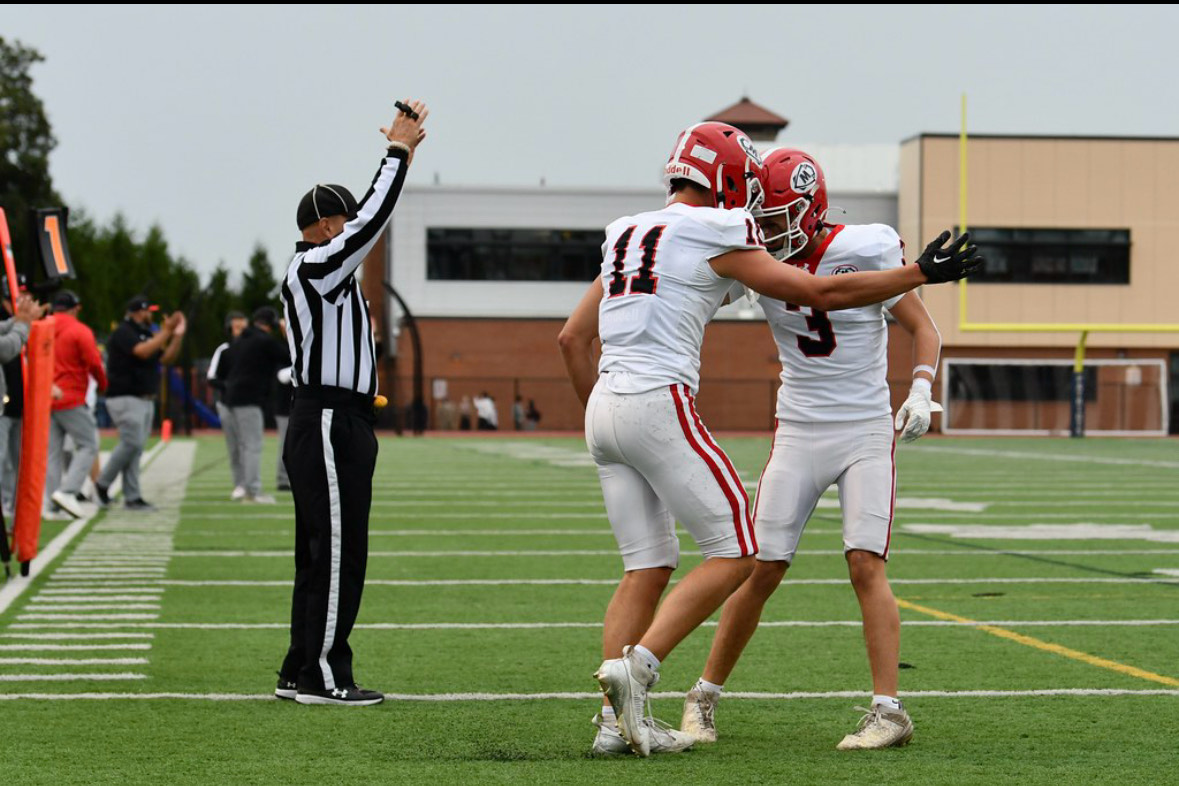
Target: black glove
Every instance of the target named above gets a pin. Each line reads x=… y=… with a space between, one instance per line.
x=941 y=264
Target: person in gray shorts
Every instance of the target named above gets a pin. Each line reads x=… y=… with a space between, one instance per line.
x=134 y=354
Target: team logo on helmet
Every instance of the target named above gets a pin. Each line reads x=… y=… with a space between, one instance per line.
x=804 y=178
x=749 y=149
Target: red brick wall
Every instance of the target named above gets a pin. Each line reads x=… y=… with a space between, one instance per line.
x=520 y=357
x=739 y=369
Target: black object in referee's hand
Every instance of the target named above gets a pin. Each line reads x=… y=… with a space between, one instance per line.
x=406 y=109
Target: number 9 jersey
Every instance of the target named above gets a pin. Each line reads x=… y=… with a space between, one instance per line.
x=835 y=364
x=661 y=291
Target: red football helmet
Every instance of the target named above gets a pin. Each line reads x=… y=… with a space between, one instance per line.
x=722 y=160
x=795 y=187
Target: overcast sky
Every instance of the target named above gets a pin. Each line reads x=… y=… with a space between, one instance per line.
x=213 y=120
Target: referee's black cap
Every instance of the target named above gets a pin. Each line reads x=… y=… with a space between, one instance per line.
x=325 y=200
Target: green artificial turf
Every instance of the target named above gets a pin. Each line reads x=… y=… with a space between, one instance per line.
x=479 y=518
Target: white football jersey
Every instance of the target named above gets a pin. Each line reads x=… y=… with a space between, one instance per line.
x=660 y=292
x=835 y=364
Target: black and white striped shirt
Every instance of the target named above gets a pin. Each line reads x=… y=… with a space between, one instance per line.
x=328 y=327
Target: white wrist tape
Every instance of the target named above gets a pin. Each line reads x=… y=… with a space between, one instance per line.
x=930 y=370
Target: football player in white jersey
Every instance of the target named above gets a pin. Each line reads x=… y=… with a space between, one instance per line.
x=834 y=426
x=664 y=275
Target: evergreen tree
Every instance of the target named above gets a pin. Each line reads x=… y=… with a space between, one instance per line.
x=26 y=140
x=259 y=286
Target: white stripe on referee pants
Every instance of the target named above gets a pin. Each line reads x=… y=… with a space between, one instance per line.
x=333 y=608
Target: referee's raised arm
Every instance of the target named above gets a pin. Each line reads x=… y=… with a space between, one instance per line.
x=329 y=334
x=329 y=265
x=330 y=450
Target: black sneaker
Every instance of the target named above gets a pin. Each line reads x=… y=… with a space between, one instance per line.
x=354 y=696
x=282 y=487
x=104 y=499
x=139 y=504
x=286 y=689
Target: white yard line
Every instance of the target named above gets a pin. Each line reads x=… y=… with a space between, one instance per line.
x=289 y=516
x=42 y=597
x=1034 y=517
x=73 y=636
x=33 y=606
x=286 y=554
x=136 y=577
x=66 y=570
x=586 y=696
x=73 y=661
x=614 y=581
x=244 y=510
x=1044 y=457
x=67 y=677
x=27 y=646
x=145 y=592
x=410 y=626
x=93 y=617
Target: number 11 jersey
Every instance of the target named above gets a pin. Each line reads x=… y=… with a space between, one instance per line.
x=660 y=291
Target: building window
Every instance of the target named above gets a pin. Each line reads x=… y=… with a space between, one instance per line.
x=513 y=254
x=1053 y=256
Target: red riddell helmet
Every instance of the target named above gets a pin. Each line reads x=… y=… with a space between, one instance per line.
x=796 y=186
x=720 y=159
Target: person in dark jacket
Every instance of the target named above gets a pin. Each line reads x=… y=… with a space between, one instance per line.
x=249 y=368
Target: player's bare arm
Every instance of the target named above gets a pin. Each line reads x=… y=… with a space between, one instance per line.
x=912 y=419
x=911 y=314
x=577 y=342
x=759 y=271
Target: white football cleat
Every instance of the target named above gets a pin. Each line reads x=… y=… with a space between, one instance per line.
x=625 y=682
x=879 y=728
x=262 y=499
x=664 y=739
x=68 y=502
x=239 y=492
x=608 y=742
x=700 y=715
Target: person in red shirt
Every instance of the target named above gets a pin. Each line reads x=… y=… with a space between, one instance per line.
x=75 y=360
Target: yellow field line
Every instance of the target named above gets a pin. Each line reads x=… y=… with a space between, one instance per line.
x=1029 y=641
x=1054 y=327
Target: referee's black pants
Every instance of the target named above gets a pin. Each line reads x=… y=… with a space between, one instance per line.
x=330 y=454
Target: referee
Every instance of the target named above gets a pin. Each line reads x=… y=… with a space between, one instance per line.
x=330 y=450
